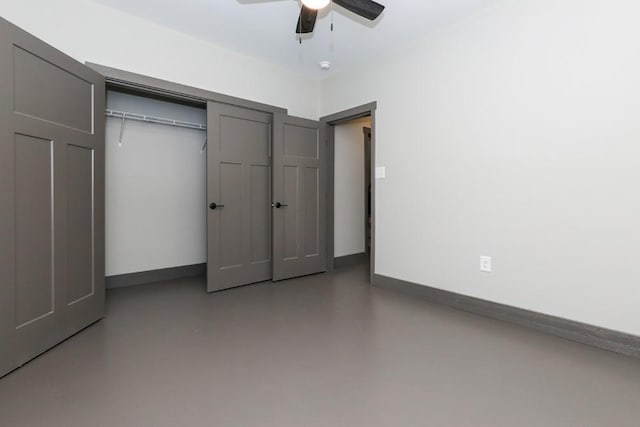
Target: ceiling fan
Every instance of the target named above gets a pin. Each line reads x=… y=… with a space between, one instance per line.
x=368 y=9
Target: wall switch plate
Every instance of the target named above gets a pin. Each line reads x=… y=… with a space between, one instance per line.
x=485 y=264
x=381 y=172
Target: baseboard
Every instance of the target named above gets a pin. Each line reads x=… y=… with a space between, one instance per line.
x=350 y=260
x=132 y=279
x=606 y=339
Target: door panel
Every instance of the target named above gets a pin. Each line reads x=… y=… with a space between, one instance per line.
x=34 y=249
x=291 y=217
x=300 y=142
x=52 y=188
x=238 y=178
x=40 y=86
x=261 y=214
x=311 y=209
x=80 y=185
x=299 y=185
x=231 y=216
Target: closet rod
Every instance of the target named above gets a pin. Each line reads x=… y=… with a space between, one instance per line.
x=152 y=119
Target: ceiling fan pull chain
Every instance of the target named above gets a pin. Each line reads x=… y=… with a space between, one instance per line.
x=331 y=15
x=300 y=26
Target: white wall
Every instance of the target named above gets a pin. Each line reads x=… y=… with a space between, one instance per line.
x=92 y=32
x=155 y=188
x=515 y=134
x=349 y=191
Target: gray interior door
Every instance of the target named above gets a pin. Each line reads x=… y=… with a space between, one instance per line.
x=239 y=196
x=52 y=196
x=299 y=194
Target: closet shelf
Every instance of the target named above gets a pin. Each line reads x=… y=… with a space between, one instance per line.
x=151 y=119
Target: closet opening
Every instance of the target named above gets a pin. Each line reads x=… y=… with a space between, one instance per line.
x=263 y=172
x=155 y=150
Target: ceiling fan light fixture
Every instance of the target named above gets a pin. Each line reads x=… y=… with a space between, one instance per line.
x=315 y=4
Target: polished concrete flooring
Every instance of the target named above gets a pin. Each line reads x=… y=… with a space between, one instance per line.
x=325 y=350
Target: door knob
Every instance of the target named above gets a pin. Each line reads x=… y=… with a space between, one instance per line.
x=214 y=205
x=279 y=205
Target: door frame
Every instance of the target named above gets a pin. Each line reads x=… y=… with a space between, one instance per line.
x=146 y=85
x=367 y=188
x=327 y=133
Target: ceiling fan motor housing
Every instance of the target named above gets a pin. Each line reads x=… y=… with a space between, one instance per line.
x=368 y=9
x=315 y=4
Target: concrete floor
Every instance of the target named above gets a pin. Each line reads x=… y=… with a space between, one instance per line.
x=325 y=350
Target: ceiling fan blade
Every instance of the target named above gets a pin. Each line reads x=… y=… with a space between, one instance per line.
x=365 y=8
x=306 y=21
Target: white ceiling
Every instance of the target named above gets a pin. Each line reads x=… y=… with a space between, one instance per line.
x=266 y=28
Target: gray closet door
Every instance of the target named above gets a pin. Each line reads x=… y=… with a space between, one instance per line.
x=52 y=193
x=239 y=196
x=299 y=194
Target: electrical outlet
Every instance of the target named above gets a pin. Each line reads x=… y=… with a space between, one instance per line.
x=485 y=264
